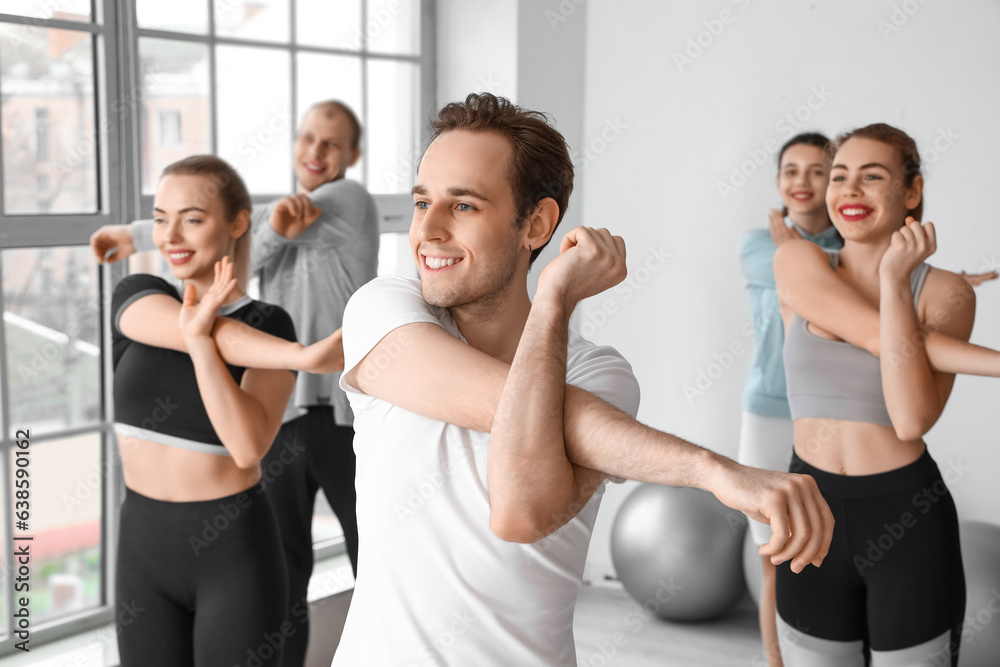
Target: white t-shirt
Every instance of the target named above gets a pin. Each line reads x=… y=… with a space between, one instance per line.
x=435 y=585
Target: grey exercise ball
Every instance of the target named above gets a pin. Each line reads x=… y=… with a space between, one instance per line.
x=981 y=561
x=753 y=567
x=677 y=551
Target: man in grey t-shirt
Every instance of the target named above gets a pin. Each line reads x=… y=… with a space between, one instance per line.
x=312 y=251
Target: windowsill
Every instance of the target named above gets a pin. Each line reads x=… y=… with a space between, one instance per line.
x=99 y=648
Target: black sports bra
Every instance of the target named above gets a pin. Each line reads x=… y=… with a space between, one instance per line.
x=156 y=393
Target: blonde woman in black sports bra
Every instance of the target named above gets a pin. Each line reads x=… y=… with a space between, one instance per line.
x=200 y=384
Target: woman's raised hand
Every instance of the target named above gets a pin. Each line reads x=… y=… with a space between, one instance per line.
x=780 y=232
x=910 y=246
x=197 y=318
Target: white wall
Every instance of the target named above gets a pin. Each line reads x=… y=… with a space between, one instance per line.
x=476 y=48
x=656 y=140
x=529 y=51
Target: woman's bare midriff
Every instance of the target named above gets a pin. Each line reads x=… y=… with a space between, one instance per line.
x=853 y=448
x=173 y=474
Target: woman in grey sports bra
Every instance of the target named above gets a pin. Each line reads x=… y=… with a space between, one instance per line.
x=871 y=350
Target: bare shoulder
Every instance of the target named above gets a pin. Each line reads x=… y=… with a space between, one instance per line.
x=947 y=303
x=798 y=254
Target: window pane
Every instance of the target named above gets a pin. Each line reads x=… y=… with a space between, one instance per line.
x=393 y=130
x=67 y=10
x=52 y=327
x=178 y=15
x=254 y=117
x=393 y=26
x=47 y=85
x=266 y=20
x=175 y=105
x=330 y=24
x=323 y=77
x=66 y=479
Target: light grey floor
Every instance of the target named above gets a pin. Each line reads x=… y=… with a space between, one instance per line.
x=612 y=631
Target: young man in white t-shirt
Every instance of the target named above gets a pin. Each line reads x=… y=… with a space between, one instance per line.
x=486 y=428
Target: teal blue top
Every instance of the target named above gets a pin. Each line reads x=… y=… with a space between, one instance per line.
x=765 y=393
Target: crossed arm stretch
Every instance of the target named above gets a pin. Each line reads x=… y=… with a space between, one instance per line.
x=551 y=444
x=247 y=415
x=836 y=307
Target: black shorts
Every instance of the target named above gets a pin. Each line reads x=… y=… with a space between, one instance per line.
x=893 y=578
x=200 y=583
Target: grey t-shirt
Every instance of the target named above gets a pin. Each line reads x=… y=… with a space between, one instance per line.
x=312 y=276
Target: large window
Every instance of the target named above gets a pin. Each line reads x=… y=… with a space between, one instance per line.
x=98 y=96
x=60 y=158
x=240 y=73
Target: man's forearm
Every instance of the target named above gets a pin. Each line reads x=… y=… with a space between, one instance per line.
x=530 y=476
x=601 y=437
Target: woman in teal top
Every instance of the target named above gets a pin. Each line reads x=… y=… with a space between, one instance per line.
x=766 y=433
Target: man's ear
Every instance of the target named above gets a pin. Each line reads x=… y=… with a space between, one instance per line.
x=541 y=223
x=355 y=156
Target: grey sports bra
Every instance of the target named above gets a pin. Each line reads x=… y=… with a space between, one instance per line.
x=835 y=379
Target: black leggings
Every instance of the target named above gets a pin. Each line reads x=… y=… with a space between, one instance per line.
x=200 y=583
x=893 y=578
x=309 y=453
